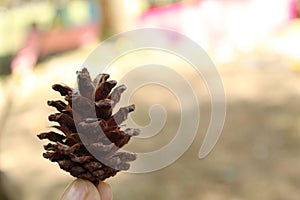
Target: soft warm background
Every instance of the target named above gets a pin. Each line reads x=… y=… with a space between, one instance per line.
x=257 y=156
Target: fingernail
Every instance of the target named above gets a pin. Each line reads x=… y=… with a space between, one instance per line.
x=105 y=191
x=81 y=190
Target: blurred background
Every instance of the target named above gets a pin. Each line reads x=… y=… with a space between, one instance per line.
x=255 y=44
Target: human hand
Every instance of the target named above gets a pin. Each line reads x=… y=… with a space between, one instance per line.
x=85 y=190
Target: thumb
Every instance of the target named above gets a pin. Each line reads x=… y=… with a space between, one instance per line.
x=81 y=190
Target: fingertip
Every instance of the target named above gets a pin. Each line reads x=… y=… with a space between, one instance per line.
x=105 y=191
x=81 y=190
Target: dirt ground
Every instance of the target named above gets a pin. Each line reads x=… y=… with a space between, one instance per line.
x=257 y=156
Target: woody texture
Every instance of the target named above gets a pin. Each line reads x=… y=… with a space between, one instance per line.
x=89 y=136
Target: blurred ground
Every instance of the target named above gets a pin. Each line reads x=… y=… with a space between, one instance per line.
x=256 y=157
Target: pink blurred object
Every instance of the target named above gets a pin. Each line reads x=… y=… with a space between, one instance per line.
x=213 y=23
x=27 y=56
x=38 y=44
x=294 y=12
x=66 y=39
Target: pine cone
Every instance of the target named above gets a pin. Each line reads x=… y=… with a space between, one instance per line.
x=92 y=136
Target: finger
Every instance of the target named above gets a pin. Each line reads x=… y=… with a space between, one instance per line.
x=81 y=190
x=105 y=191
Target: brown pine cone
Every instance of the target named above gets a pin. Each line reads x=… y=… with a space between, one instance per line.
x=92 y=136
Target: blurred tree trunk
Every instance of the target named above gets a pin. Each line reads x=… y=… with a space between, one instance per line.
x=118 y=15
